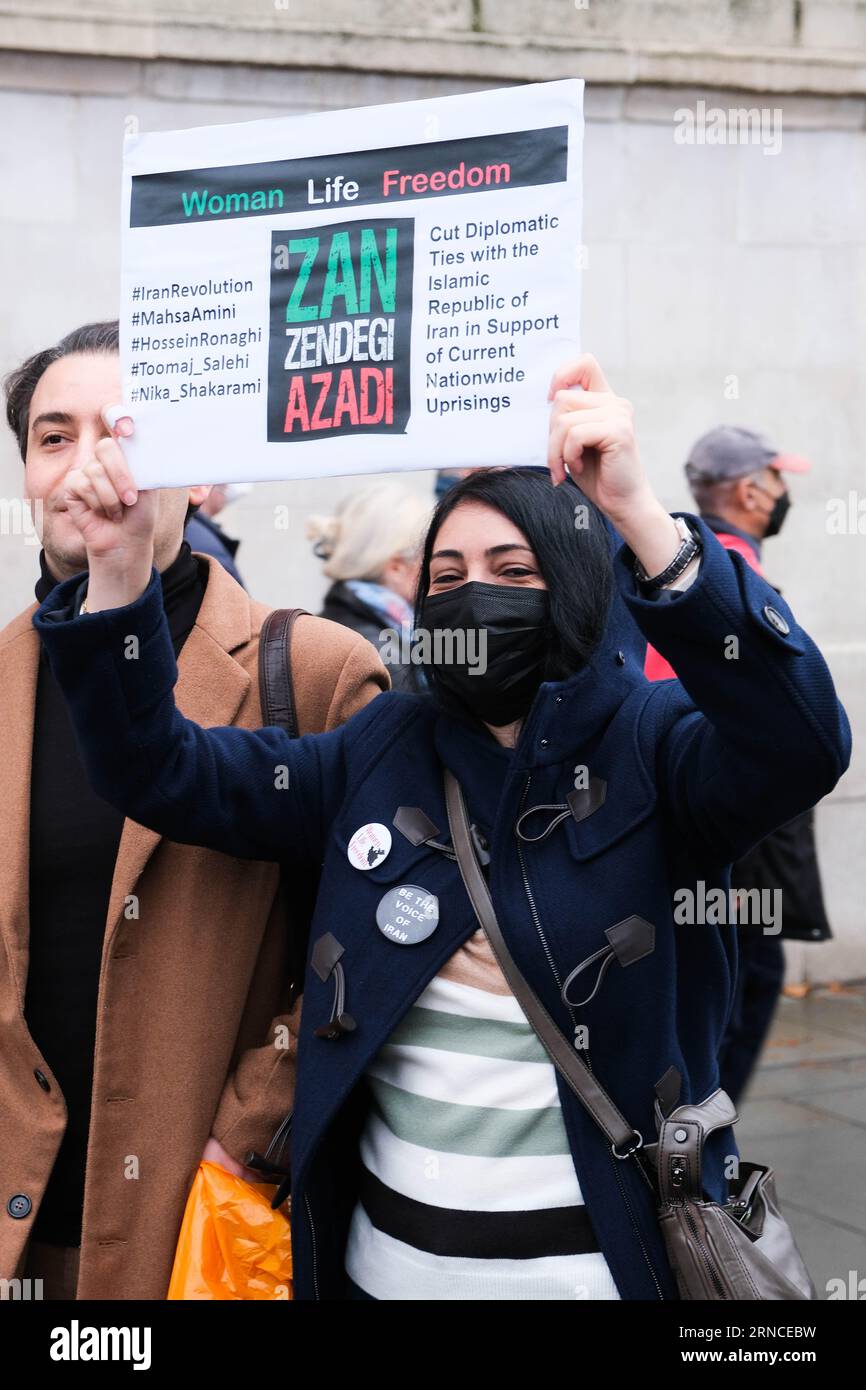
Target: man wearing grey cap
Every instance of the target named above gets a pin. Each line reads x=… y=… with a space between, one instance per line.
x=736 y=479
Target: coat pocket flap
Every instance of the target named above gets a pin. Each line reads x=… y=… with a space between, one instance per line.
x=616 y=801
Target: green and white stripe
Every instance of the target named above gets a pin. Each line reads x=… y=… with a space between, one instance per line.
x=465 y=1116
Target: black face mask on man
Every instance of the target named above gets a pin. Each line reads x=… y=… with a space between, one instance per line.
x=497 y=672
x=778 y=512
x=781 y=507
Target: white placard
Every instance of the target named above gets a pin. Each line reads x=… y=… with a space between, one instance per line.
x=356 y=292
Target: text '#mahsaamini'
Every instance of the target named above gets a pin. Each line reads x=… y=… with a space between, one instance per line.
x=434 y=169
x=340 y=329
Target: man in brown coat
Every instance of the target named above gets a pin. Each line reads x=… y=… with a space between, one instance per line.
x=144 y=986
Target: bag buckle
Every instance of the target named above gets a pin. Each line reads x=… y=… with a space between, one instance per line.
x=632 y=1150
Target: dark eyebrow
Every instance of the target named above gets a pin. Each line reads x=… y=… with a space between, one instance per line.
x=493 y=550
x=52 y=417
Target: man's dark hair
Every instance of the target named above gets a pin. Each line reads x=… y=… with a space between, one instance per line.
x=20 y=384
x=575 y=562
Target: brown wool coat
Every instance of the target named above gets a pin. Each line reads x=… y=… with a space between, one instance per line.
x=190 y=992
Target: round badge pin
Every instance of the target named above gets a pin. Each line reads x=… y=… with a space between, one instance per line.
x=408 y=914
x=369 y=846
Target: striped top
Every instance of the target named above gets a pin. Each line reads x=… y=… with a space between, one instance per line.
x=468 y=1187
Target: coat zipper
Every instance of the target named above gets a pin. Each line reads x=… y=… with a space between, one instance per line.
x=540 y=930
x=313 y=1238
x=531 y=899
x=635 y=1227
x=628 y=1206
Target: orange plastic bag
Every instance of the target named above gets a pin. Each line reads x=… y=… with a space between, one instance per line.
x=231 y=1244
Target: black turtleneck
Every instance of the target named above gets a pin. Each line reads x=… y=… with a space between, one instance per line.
x=74 y=837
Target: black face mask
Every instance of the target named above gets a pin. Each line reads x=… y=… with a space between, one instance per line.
x=781 y=507
x=515 y=625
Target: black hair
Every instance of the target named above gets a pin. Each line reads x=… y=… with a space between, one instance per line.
x=573 y=550
x=20 y=384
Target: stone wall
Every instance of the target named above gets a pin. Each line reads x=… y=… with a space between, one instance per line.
x=763 y=45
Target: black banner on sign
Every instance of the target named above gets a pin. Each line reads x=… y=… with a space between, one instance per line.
x=339 y=358
x=434 y=169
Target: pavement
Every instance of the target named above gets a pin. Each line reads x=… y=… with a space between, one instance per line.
x=804 y=1114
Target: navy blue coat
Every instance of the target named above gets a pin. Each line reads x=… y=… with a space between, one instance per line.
x=697 y=770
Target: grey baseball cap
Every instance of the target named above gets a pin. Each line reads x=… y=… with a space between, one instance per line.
x=728 y=452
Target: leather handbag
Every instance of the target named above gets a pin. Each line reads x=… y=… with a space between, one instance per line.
x=742 y=1249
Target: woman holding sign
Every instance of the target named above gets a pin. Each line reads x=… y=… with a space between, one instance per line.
x=518 y=834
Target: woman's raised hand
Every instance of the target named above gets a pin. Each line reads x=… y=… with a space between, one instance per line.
x=592 y=439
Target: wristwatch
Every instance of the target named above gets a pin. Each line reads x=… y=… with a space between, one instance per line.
x=689 y=548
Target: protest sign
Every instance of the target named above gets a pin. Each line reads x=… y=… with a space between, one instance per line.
x=352 y=292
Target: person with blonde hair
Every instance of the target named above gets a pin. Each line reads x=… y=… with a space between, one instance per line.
x=371 y=548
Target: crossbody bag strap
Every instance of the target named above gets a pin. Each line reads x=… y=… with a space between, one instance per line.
x=277 y=699
x=276 y=690
x=624 y=1139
